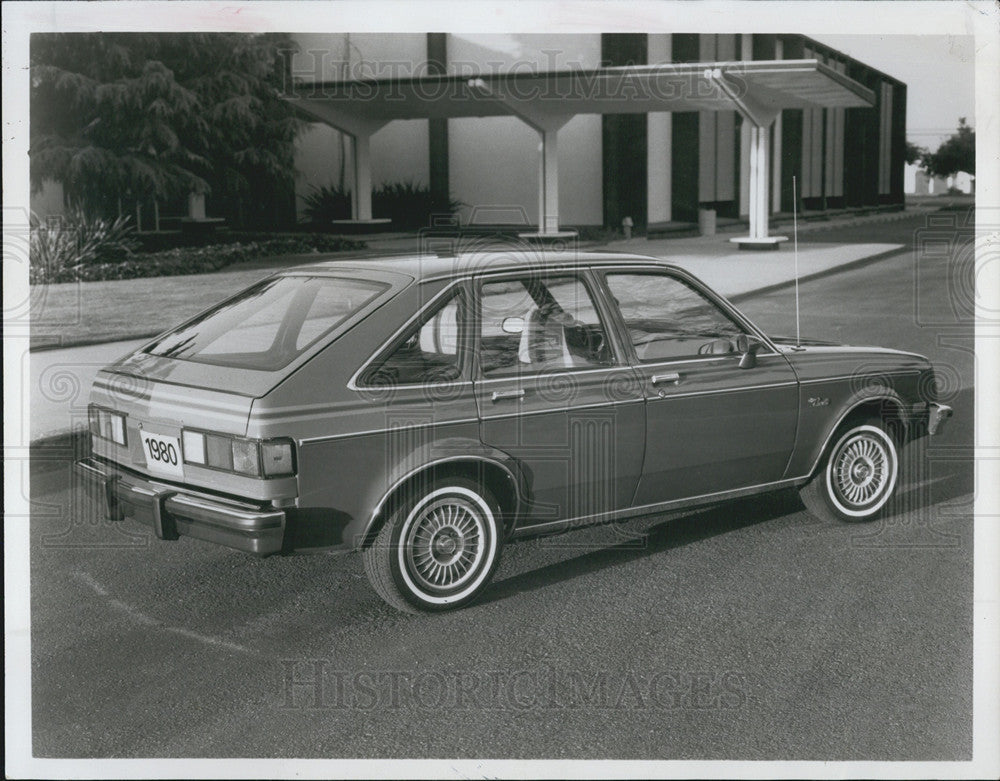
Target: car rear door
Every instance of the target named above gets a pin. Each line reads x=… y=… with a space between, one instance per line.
x=554 y=392
x=711 y=426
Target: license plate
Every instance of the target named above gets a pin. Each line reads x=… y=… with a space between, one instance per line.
x=163 y=454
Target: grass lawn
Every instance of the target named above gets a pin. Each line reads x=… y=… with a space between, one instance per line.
x=76 y=313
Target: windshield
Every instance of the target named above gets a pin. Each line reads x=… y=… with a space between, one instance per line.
x=270 y=324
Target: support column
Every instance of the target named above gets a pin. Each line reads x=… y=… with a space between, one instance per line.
x=548 y=183
x=546 y=120
x=361 y=130
x=760 y=203
x=758 y=182
x=760 y=119
x=361 y=193
x=361 y=187
x=776 y=132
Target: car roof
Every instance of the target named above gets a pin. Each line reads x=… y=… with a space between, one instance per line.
x=432 y=267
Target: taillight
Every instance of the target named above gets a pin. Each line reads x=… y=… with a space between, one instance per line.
x=253 y=457
x=107 y=424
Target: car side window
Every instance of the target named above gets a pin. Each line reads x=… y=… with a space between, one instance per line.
x=537 y=324
x=667 y=318
x=428 y=353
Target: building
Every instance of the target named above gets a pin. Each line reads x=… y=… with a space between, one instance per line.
x=660 y=165
x=660 y=169
x=917 y=182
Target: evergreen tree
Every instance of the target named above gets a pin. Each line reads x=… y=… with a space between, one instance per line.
x=121 y=118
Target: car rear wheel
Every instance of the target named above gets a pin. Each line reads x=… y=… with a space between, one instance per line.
x=438 y=549
x=858 y=475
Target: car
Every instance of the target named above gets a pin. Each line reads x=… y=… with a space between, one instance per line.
x=428 y=410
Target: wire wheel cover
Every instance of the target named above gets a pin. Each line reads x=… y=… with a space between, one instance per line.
x=860 y=470
x=445 y=544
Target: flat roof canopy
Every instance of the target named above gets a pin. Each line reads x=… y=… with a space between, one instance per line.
x=547 y=100
x=714 y=86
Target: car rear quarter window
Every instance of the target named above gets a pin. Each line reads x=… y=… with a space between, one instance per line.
x=270 y=324
x=429 y=352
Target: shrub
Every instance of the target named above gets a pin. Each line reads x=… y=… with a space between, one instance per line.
x=196 y=260
x=157 y=242
x=66 y=246
x=326 y=204
x=409 y=205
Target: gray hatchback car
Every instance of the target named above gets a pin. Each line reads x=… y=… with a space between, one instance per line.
x=426 y=410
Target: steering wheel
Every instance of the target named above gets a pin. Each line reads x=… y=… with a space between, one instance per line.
x=716 y=347
x=591 y=343
x=596 y=345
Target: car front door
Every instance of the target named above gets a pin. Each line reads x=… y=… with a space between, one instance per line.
x=711 y=426
x=555 y=392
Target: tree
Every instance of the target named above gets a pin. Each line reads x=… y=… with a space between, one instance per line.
x=957 y=153
x=129 y=117
x=913 y=153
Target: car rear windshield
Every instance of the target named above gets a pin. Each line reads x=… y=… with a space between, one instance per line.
x=270 y=324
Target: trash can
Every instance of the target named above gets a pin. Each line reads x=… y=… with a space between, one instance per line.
x=706 y=222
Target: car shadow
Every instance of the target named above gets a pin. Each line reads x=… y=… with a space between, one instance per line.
x=674 y=532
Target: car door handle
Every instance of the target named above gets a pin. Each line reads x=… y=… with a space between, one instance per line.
x=673 y=377
x=514 y=394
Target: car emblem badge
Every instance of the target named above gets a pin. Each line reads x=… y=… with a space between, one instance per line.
x=819 y=401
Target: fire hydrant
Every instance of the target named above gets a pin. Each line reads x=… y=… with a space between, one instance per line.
x=627 y=227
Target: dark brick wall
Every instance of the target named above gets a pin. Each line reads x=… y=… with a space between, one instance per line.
x=624 y=141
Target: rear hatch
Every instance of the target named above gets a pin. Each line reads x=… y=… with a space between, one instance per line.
x=205 y=374
x=158 y=406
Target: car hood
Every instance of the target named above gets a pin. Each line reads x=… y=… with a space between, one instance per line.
x=836 y=350
x=817 y=360
x=791 y=341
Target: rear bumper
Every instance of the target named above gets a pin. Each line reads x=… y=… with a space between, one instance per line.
x=172 y=512
x=937 y=416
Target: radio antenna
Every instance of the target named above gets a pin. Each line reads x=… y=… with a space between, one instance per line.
x=795 y=252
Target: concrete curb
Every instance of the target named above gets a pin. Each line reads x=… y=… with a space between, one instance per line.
x=827 y=272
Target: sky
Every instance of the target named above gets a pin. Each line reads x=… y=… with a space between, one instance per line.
x=939 y=72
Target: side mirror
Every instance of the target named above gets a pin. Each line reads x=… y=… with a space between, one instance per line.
x=512 y=325
x=747 y=347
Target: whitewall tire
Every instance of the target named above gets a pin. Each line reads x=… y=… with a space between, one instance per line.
x=857 y=476
x=438 y=549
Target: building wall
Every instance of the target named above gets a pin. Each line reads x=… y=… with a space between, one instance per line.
x=718 y=171
x=493 y=161
x=686 y=161
x=625 y=141
x=917 y=182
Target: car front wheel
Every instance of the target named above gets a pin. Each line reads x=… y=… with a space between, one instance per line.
x=438 y=549
x=858 y=475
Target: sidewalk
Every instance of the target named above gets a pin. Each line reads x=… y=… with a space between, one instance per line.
x=60 y=379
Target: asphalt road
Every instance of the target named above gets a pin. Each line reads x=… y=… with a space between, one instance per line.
x=748 y=631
